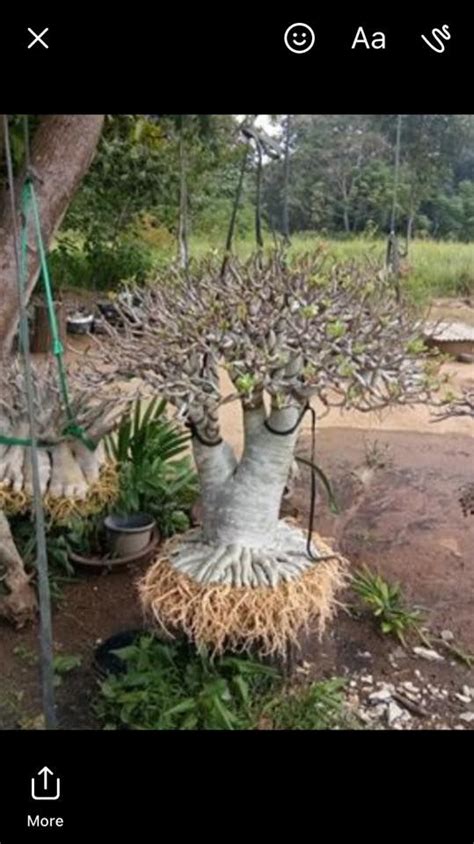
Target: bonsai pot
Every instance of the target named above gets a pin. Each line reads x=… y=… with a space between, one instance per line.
x=128 y=535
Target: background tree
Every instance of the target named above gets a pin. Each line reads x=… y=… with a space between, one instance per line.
x=342 y=174
x=61 y=152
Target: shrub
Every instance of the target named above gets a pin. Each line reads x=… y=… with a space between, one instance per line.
x=152 y=480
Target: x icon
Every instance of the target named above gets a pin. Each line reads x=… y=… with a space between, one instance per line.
x=38 y=38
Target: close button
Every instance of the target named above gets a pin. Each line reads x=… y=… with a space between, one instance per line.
x=38 y=39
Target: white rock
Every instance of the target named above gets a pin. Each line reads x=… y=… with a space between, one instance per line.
x=458 y=727
x=378 y=711
x=462 y=698
x=380 y=696
x=367 y=678
x=353 y=684
x=447 y=635
x=468 y=691
x=418 y=674
x=394 y=713
x=364 y=654
x=408 y=685
x=426 y=653
x=410 y=696
x=467 y=716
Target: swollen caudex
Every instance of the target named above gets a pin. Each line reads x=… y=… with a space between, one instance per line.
x=74 y=478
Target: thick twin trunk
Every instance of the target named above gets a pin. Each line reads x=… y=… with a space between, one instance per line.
x=242 y=541
x=61 y=153
x=243 y=507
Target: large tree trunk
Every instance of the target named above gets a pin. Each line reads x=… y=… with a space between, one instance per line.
x=183 y=252
x=286 y=181
x=409 y=232
x=61 y=153
x=242 y=541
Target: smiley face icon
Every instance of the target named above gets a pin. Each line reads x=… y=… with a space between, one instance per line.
x=299 y=38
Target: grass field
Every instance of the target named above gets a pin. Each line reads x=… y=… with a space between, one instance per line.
x=432 y=268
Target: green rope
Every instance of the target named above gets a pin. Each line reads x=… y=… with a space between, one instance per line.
x=45 y=633
x=4 y=440
x=73 y=429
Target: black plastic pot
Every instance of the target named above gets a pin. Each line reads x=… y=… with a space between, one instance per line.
x=107 y=662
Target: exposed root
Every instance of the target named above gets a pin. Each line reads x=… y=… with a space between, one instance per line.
x=102 y=492
x=44 y=466
x=90 y=462
x=240 y=565
x=263 y=615
x=67 y=479
x=11 y=465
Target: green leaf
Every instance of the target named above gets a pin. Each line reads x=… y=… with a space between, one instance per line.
x=183 y=706
x=63 y=663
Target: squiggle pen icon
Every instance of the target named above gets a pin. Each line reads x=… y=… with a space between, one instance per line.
x=438 y=34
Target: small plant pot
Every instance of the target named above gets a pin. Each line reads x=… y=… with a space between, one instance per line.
x=103 y=563
x=80 y=324
x=106 y=662
x=127 y=535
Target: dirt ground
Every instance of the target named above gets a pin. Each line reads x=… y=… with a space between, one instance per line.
x=397 y=479
x=402 y=518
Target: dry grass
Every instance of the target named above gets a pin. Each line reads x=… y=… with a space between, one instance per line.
x=223 y=617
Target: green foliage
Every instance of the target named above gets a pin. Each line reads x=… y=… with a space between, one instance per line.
x=320 y=706
x=416 y=347
x=57 y=548
x=385 y=601
x=342 y=169
x=64 y=664
x=174 y=687
x=335 y=329
x=169 y=686
x=152 y=480
x=245 y=383
x=84 y=535
x=100 y=265
x=435 y=268
x=26 y=655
